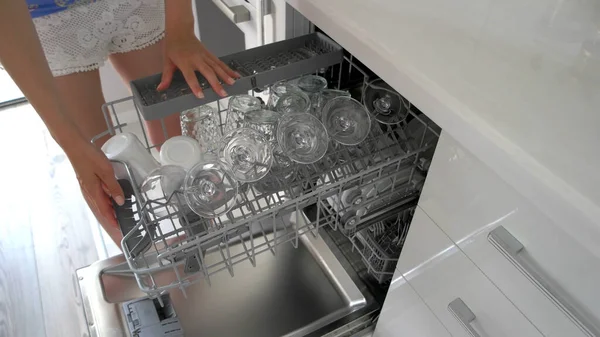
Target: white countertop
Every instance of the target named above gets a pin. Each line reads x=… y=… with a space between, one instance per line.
x=517 y=82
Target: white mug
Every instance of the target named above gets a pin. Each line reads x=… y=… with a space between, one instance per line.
x=126 y=147
x=182 y=151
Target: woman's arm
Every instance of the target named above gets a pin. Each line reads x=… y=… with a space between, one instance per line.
x=22 y=56
x=184 y=51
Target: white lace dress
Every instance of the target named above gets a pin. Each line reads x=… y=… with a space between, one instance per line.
x=81 y=38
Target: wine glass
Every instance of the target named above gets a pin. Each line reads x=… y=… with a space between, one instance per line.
x=210 y=189
x=161 y=191
x=302 y=137
x=282 y=173
x=327 y=95
x=347 y=121
x=239 y=106
x=202 y=124
x=384 y=103
x=293 y=102
x=313 y=85
x=248 y=154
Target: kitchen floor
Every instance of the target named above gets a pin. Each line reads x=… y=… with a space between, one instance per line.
x=46 y=232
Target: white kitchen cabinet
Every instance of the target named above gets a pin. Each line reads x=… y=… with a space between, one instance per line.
x=445 y=274
x=467 y=200
x=405 y=314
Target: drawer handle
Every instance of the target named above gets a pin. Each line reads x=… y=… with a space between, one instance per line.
x=237 y=14
x=464 y=315
x=512 y=248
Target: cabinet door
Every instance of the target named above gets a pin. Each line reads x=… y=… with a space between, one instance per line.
x=445 y=277
x=405 y=314
x=468 y=201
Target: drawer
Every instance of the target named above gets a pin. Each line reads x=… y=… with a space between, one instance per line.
x=468 y=201
x=440 y=273
x=405 y=314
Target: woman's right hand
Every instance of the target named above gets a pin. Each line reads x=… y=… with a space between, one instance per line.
x=96 y=178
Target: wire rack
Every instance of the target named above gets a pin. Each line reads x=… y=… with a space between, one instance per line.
x=175 y=248
x=380 y=244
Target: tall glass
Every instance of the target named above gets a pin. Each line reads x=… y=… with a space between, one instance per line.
x=278 y=90
x=239 y=106
x=202 y=124
x=293 y=102
x=248 y=154
x=264 y=121
x=313 y=86
x=302 y=137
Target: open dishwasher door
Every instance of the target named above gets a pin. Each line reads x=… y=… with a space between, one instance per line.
x=299 y=292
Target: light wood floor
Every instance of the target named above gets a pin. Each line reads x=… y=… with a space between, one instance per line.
x=46 y=232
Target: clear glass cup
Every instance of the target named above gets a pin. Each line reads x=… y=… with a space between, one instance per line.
x=293 y=102
x=264 y=121
x=347 y=120
x=278 y=90
x=203 y=124
x=239 y=106
x=313 y=86
x=247 y=153
x=302 y=137
x=327 y=95
x=210 y=189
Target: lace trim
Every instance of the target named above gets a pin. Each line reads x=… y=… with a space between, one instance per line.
x=142 y=46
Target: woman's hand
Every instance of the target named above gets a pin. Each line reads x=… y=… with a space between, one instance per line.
x=96 y=178
x=185 y=52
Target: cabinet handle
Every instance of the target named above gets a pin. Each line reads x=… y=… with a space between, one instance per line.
x=464 y=315
x=237 y=14
x=512 y=248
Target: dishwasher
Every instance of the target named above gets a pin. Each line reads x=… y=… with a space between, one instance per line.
x=314 y=258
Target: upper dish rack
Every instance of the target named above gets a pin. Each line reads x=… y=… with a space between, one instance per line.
x=177 y=249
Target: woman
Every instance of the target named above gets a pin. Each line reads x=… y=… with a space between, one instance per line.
x=59 y=75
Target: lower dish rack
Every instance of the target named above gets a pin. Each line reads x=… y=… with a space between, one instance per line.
x=166 y=246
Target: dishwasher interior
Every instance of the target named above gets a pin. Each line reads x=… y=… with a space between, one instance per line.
x=310 y=258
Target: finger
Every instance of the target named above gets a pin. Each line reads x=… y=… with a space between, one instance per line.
x=167 y=76
x=105 y=209
x=211 y=77
x=192 y=81
x=109 y=184
x=226 y=68
x=221 y=73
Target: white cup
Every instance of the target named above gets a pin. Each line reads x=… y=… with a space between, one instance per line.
x=181 y=151
x=126 y=147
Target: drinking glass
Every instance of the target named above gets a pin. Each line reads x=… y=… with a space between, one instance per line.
x=239 y=106
x=326 y=96
x=202 y=124
x=278 y=90
x=210 y=189
x=302 y=137
x=263 y=121
x=313 y=86
x=293 y=102
x=248 y=154
x=347 y=120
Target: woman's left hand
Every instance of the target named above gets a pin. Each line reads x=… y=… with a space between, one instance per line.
x=185 y=52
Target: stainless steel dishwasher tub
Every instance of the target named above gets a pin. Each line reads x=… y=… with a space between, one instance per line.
x=295 y=293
